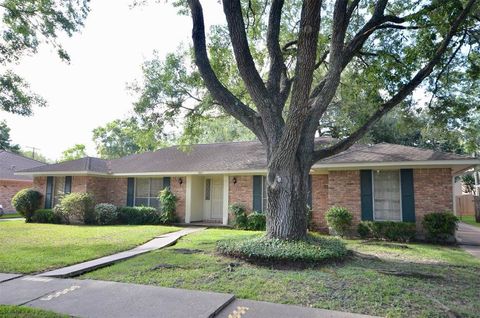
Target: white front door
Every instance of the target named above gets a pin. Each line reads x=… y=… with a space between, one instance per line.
x=214 y=208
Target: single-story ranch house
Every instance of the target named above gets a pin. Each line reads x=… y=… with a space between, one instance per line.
x=375 y=182
x=10 y=183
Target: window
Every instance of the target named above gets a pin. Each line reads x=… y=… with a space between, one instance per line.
x=264 y=194
x=58 y=189
x=208 y=183
x=386 y=195
x=146 y=191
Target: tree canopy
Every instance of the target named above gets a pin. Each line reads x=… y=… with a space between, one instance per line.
x=25 y=25
x=5 y=141
x=76 y=152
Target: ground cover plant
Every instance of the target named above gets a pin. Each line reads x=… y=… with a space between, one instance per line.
x=8 y=311
x=30 y=247
x=379 y=278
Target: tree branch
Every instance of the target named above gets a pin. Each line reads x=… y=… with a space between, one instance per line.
x=406 y=90
x=277 y=65
x=230 y=103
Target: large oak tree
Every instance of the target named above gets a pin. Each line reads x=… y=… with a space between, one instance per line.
x=286 y=103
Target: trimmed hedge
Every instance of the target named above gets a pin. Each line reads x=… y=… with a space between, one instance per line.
x=256 y=221
x=46 y=216
x=240 y=220
x=138 y=215
x=168 y=202
x=26 y=201
x=76 y=207
x=440 y=227
x=313 y=251
x=339 y=219
x=390 y=231
x=105 y=214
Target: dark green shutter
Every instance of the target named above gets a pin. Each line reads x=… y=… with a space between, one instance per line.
x=49 y=193
x=408 y=198
x=257 y=193
x=166 y=182
x=130 y=191
x=366 y=195
x=68 y=185
x=309 y=191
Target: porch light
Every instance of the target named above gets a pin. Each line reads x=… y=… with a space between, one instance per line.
x=234 y=180
x=180 y=181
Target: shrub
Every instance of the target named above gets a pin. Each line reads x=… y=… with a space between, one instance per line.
x=76 y=207
x=138 y=215
x=390 y=231
x=46 y=216
x=105 y=213
x=256 y=221
x=363 y=230
x=312 y=251
x=239 y=212
x=168 y=202
x=339 y=219
x=26 y=201
x=440 y=227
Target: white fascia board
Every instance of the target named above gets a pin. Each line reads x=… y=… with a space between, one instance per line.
x=61 y=173
x=400 y=164
x=190 y=173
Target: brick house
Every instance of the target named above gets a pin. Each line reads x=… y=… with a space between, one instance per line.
x=10 y=183
x=375 y=182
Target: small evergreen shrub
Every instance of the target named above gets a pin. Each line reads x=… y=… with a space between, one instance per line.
x=76 y=207
x=388 y=230
x=139 y=215
x=259 y=248
x=339 y=219
x=440 y=227
x=168 y=202
x=240 y=219
x=105 y=214
x=363 y=230
x=46 y=216
x=26 y=201
x=256 y=221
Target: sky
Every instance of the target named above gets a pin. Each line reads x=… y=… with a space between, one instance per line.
x=105 y=56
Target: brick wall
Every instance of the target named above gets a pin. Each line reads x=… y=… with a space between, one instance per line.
x=319 y=200
x=241 y=192
x=40 y=184
x=180 y=191
x=433 y=192
x=344 y=190
x=8 y=189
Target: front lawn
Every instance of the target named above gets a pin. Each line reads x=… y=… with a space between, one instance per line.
x=29 y=247
x=469 y=219
x=395 y=280
x=10 y=216
x=27 y=312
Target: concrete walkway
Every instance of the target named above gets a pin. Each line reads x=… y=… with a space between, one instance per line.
x=90 y=298
x=157 y=243
x=468 y=236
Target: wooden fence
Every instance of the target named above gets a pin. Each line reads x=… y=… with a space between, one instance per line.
x=465 y=204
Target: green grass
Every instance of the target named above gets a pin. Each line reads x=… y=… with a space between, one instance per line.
x=469 y=219
x=30 y=247
x=355 y=285
x=9 y=216
x=27 y=312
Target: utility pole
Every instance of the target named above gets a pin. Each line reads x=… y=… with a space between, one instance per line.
x=33 y=150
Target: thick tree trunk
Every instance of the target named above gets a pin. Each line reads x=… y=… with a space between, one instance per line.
x=287 y=201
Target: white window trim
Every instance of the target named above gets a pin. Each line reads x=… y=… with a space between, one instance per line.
x=373 y=196
x=149 y=191
x=264 y=206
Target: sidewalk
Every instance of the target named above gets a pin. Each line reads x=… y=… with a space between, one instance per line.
x=89 y=298
x=468 y=236
x=157 y=243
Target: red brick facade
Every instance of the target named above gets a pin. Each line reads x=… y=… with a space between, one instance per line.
x=432 y=190
x=8 y=188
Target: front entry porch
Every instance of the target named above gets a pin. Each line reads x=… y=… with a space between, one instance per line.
x=207 y=199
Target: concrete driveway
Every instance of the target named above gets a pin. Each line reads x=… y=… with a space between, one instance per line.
x=468 y=236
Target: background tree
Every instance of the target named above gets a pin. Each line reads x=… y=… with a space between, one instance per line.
x=5 y=142
x=25 y=25
x=35 y=155
x=73 y=153
x=289 y=71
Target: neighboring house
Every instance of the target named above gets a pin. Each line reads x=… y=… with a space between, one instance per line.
x=378 y=182
x=10 y=183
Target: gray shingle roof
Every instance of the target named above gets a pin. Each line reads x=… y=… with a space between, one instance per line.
x=11 y=162
x=236 y=156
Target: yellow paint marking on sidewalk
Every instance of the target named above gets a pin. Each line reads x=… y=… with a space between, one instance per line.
x=239 y=312
x=60 y=293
